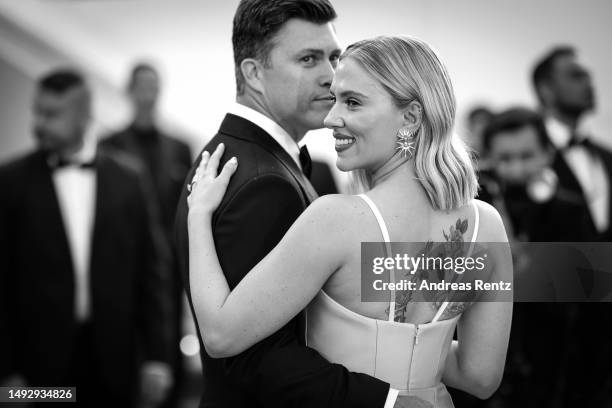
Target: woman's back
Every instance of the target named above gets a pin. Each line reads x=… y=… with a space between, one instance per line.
x=408 y=217
x=367 y=336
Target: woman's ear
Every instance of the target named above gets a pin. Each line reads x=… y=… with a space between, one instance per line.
x=252 y=71
x=413 y=115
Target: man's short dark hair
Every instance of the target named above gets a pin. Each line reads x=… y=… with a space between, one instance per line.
x=257 y=21
x=512 y=120
x=544 y=68
x=137 y=69
x=61 y=81
x=479 y=111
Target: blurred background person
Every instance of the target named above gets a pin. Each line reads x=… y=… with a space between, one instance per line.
x=534 y=208
x=477 y=119
x=82 y=284
x=523 y=183
x=166 y=161
x=565 y=93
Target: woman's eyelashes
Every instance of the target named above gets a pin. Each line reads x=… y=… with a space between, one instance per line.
x=350 y=102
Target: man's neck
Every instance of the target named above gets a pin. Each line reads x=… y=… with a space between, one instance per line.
x=144 y=119
x=569 y=120
x=261 y=107
x=72 y=150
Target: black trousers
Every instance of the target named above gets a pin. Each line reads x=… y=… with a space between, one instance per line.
x=92 y=389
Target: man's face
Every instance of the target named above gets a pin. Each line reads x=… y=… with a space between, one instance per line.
x=571 y=86
x=297 y=78
x=518 y=155
x=60 y=120
x=145 y=89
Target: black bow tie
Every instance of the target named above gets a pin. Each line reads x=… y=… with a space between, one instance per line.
x=579 y=141
x=57 y=162
x=305 y=161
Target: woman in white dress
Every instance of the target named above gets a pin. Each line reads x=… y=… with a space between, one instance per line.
x=392 y=121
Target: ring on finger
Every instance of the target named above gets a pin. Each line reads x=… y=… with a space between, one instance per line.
x=194 y=180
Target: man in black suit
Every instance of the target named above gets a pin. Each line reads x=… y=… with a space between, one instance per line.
x=285 y=52
x=565 y=91
x=80 y=282
x=167 y=161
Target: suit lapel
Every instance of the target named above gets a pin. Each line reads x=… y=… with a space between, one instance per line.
x=243 y=129
x=606 y=158
x=569 y=181
x=566 y=175
x=100 y=213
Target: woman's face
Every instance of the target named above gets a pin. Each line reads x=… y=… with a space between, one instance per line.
x=364 y=119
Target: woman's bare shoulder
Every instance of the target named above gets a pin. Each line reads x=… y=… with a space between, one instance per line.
x=340 y=216
x=340 y=206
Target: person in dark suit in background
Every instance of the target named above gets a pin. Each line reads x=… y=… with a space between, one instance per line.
x=565 y=91
x=167 y=161
x=525 y=186
x=81 y=284
x=285 y=52
x=477 y=119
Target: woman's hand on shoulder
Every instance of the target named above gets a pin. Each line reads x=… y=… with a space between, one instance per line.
x=208 y=186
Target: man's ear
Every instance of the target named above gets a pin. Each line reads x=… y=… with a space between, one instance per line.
x=546 y=93
x=252 y=71
x=413 y=115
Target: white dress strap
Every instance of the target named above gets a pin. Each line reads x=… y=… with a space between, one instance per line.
x=385 y=234
x=440 y=311
x=476 y=221
x=378 y=215
x=476 y=226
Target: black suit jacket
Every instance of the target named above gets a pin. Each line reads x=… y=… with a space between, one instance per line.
x=265 y=196
x=166 y=159
x=129 y=310
x=322 y=178
x=569 y=183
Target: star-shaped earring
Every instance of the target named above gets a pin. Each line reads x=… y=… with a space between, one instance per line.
x=405 y=142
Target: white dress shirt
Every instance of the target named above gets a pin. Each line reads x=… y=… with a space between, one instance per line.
x=588 y=169
x=272 y=128
x=75 y=188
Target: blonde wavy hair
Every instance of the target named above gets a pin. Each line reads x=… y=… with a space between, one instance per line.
x=410 y=70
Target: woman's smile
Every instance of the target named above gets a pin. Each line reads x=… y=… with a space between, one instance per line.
x=343 y=142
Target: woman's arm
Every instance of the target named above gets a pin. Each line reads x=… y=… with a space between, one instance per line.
x=475 y=362
x=276 y=289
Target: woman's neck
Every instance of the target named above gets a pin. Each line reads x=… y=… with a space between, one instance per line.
x=397 y=166
x=398 y=175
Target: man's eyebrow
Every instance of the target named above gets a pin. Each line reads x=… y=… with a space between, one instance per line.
x=319 y=51
x=316 y=51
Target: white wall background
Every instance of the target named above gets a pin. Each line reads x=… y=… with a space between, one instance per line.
x=489 y=48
